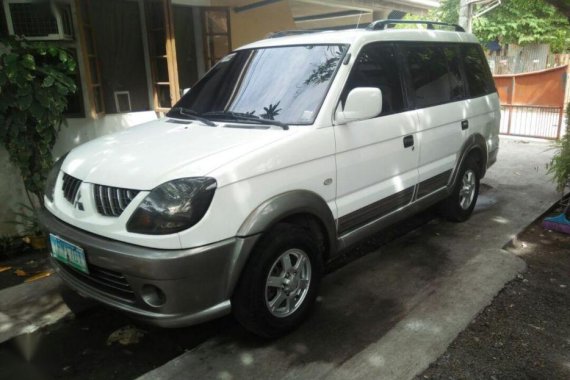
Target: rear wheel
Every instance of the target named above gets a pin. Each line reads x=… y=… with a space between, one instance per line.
x=279 y=284
x=459 y=206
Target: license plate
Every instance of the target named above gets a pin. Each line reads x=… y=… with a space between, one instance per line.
x=68 y=253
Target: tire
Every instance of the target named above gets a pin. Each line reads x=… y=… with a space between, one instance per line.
x=459 y=206
x=270 y=300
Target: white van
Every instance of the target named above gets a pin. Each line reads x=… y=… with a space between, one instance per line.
x=286 y=152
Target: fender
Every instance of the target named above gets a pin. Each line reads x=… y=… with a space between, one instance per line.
x=287 y=204
x=475 y=141
x=269 y=213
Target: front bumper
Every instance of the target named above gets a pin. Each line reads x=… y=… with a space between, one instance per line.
x=197 y=283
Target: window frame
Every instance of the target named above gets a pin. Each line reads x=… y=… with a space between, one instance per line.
x=487 y=69
x=457 y=47
x=83 y=24
x=210 y=61
x=462 y=70
x=409 y=79
x=407 y=106
x=170 y=55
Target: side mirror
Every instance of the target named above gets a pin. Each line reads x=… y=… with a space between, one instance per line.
x=362 y=103
x=185 y=91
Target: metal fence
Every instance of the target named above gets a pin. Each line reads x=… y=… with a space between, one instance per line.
x=555 y=60
x=532 y=121
x=515 y=59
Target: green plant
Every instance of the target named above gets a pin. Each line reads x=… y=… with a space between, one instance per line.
x=513 y=22
x=35 y=82
x=559 y=166
x=525 y=22
x=28 y=220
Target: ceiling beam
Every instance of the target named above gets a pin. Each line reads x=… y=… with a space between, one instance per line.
x=409 y=6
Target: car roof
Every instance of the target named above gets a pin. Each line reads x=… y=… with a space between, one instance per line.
x=362 y=36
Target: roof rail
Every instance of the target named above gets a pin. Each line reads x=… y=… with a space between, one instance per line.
x=384 y=24
x=293 y=32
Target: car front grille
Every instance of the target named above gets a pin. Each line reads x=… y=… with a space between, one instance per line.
x=105 y=280
x=70 y=187
x=112 y=201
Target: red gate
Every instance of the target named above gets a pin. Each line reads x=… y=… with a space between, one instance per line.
x=532 y=104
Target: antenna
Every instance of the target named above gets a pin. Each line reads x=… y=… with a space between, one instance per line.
x=358 y=22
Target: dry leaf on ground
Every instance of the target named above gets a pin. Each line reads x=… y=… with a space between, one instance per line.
x=125 y=336
x=20 y=273
x=39 y=276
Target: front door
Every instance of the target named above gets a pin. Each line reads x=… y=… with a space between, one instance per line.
x=376 y=158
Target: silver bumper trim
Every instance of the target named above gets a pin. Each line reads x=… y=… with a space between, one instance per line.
x=197 y=282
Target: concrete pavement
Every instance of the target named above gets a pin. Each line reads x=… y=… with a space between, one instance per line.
x=392 y=312
x=29 y=306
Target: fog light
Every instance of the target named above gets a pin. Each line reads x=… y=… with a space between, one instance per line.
x=152 y=295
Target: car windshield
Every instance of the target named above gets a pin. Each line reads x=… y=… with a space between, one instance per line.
x=287 y=84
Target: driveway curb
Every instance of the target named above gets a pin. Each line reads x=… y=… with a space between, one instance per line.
x=426 y=332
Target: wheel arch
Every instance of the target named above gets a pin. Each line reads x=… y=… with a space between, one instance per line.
x=475 y=146
x=300 y=206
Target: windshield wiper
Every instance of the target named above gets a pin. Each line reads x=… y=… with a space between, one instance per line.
x=245 y=117
x=190 y=114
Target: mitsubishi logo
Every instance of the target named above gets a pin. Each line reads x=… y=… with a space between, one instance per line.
x=78 y=204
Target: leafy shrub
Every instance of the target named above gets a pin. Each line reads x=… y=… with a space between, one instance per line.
x=559 y=166
x=36 y=79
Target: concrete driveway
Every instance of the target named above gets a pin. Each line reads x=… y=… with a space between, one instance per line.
x=391 y=312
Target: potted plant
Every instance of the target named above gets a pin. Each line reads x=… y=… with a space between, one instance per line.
x=36 y=79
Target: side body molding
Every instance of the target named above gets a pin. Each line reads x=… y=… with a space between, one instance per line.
x=288 y=204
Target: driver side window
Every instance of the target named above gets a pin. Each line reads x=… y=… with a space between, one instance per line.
x=377 y=66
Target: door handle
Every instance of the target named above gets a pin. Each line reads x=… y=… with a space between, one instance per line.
x=408 y=141
x=464 y=124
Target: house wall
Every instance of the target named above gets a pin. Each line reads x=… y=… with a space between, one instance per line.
x=77 y=131
x=246 y=26
x=255 y=24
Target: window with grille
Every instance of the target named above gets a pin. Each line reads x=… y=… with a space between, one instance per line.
x=39 y=19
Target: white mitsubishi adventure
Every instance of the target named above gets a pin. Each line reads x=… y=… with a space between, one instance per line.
x=286 y=152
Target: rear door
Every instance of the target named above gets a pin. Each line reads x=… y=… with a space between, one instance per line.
x=438 y=92
x=483 y=109
x=376 y=158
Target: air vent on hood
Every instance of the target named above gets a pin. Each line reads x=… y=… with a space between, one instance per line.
x=112 y=201
x=178 y=121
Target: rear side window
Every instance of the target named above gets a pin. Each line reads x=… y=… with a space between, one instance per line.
x=456 y=81
x=377 y=66
x=479 y=78
x=430 y=76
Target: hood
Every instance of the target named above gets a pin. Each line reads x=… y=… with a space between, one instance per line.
x=145 y=156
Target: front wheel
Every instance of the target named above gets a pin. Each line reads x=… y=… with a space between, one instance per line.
x=279 y=283
x=459 y=206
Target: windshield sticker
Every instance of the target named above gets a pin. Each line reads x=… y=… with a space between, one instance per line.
x=307 y=115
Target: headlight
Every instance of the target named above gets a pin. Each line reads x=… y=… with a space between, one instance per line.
x=173 y=206
x=52 y=177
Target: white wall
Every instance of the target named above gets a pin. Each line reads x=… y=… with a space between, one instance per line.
x=77 y=132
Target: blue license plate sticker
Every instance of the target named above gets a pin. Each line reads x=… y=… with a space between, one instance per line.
x=68 y=253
